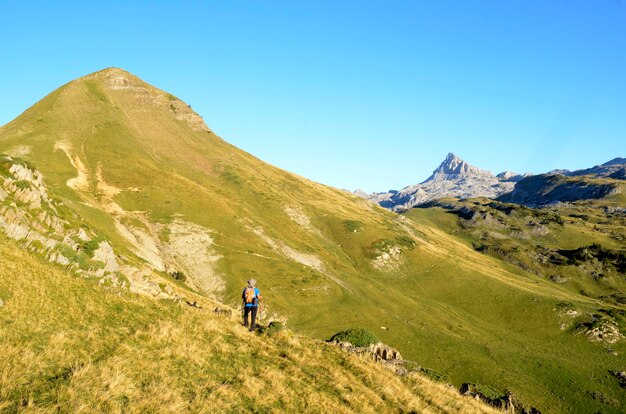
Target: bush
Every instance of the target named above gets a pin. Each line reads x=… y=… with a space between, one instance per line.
x=353 y=225
x=357 y=337
x=273 y=328
x=178 y=275
x=89 y=247
x=405 y=241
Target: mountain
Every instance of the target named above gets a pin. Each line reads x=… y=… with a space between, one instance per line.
x=111 y=186
x=559 y=186
x=453 y=178
x=615 y=168
x=546 y=189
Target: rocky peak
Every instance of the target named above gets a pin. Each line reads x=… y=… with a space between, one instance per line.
x=453 y=168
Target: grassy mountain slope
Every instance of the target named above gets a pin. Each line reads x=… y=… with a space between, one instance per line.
x=70 y=345
x=575 y=359
x=140 y=169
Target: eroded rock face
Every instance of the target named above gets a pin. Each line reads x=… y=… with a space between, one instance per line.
x=378 y=352
x=105 y=254
x=382 y=352
x=29 y=216
x=117 y=82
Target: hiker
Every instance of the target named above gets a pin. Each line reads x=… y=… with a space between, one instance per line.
x=251 y=297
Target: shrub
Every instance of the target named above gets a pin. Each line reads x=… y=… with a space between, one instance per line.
x=273 y=328
x=405 y=241
x=89 y=247
x=353 y=225
x=178 y=275
x=80 y=258
x=357 y=337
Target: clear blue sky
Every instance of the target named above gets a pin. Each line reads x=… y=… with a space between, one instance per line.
x=353 y=94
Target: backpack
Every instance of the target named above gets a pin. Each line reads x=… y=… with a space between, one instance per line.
x=249 y=296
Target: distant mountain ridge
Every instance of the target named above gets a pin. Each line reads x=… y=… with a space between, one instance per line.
x=549 y=189
x=455 y=178
x=616 y=168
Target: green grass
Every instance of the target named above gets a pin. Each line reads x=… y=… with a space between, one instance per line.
x=434 y=375
x=537 y=352
x=82 y=259
x=22 y=184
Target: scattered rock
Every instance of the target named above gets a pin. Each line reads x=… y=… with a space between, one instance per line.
x=600 y=329
x=224 y=312
x=388 y=259
x=621 y=377
x=378 y=352
x=558 y=279
x=193 y=304
x=504 y=401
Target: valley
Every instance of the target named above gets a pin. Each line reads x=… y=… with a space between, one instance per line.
x=123 y=186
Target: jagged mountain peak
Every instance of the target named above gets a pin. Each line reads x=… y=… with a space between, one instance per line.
x=453 y=167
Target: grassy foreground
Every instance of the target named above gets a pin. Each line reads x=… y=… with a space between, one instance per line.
x=69 y=345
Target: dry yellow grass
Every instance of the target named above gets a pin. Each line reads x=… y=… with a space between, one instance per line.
x=69 y=345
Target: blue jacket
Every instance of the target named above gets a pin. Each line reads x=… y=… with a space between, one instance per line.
x=257 y=296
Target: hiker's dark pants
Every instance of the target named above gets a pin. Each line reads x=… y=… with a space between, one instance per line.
x=250 y=310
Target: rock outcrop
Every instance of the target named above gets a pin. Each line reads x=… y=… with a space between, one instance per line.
x=45 y=226
x=621 y=377
x=379 y=352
